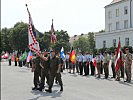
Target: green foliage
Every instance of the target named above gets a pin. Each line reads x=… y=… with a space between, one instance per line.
x=62 y=41
x=5 y=40
x=81 y=44
x=19 y=36
x=91 y=41
x=101 y=31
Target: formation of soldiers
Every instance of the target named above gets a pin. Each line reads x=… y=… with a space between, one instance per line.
x=84 y=64
x=47 y=65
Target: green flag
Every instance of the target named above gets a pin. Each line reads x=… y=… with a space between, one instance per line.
x=24 y=56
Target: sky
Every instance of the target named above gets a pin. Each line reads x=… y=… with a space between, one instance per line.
x=74 y=16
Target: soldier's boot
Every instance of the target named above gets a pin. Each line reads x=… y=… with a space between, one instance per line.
x=34 y=88
x=49 y=90
x=61 y=89
x=41 y=88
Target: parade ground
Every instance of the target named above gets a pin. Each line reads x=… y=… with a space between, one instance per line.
x=17 y=83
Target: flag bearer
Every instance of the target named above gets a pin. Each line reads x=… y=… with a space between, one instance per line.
x=44 y=70
x=54 y=72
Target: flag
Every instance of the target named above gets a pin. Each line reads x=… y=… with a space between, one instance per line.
x=53 y=36
x=5 y=56
x=13 y=56
x=62 y=55
x=33 y=44
x=94 y=62
x=24 y=56
x=118 y=57
x=72 y=56
x=29 y=56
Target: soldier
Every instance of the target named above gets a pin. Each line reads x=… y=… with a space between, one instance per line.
x=77 y=64
x=54 y=72
x=128 y=64
x=84 y=64
x=36 y=68
x=91 y=64
x=81 y=63
x=44 y=70
x=106 y=65
x=113 y=64
x=122 y=65
x=98 y=60
x=67 y=61
x=101 y=57
x=10 y=56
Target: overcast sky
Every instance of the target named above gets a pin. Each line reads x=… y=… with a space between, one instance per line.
x=73 y=16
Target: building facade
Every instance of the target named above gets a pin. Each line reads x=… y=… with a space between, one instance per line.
x=118 y=24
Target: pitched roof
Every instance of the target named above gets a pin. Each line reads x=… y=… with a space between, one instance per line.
x=115 y=1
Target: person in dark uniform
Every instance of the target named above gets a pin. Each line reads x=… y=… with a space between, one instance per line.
x=10 y=57
x=16 y=60
x=54 y=72
x=44 y=70
x=36 y=68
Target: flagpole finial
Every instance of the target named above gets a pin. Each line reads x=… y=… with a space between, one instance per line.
x=52 y=20
x=26 y=5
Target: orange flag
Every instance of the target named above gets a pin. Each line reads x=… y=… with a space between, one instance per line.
x=72 y=56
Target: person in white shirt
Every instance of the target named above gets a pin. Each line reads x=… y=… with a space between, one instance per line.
x=81 y=63
x=98 y=60
x=91 y=64
x=67 y=61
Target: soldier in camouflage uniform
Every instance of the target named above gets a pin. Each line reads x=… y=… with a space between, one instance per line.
x=128 y=64
x=36 y=68
x=106 y=65
x=44 y=70
x=54 y=72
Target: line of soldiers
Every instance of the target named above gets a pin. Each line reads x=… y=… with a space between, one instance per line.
x=84 y=63
x=46 y=65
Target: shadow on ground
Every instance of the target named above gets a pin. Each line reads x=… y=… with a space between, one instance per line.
x=54 y=94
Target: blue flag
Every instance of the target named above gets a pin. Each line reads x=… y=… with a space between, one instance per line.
x=62 y=55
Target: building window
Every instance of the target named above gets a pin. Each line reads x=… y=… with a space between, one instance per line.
x=109 y=15
x=126 y=41
x=110 y=27
x=125 y=24
x=117 y=12
x=117 y=25
x=125 y=10
x=104 y=44
x=114 y=42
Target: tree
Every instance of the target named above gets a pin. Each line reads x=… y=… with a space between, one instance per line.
x=5 y=40
x=81 y=44
x=19 y=36
x=62 y=41
x=91 y=41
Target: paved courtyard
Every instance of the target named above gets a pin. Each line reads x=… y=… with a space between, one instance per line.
x=17 y=82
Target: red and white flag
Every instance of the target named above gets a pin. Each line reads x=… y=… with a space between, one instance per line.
x=94 y=62
x=118 y=57
x=53 y=36
x=33 y=44
x=5 y=56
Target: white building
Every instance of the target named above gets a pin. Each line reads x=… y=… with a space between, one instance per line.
x=118 y=23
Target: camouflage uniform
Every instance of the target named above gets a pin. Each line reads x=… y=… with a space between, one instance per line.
x=106 y=65
x=44 y=72
x=37 y=71
x=54 y=64
x=128 y=64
